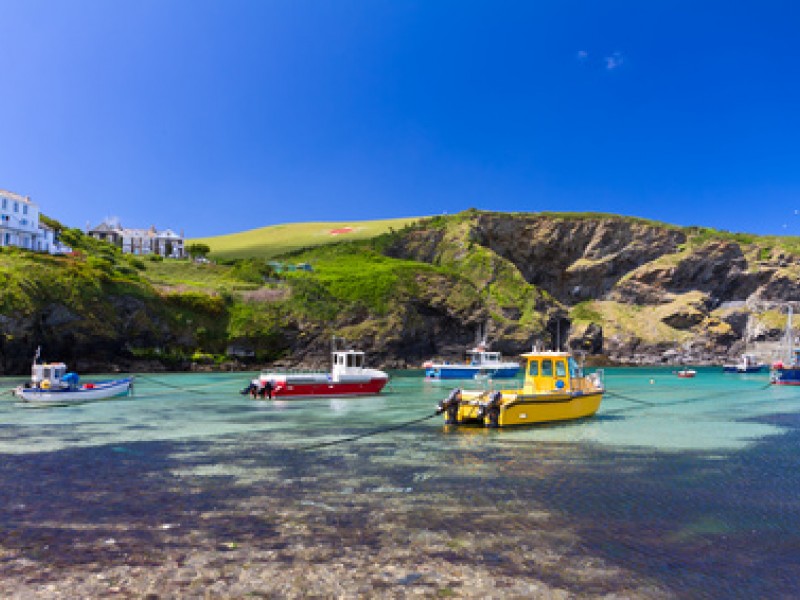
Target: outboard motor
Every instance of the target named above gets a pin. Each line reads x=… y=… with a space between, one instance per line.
x=493 y=409
x=450 y=406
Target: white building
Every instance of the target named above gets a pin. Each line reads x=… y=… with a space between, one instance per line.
x=140 y=241
x=20 y=226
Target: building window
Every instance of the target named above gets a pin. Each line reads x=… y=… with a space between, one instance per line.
x=24 y=209
x=16 y=207
x=5 y=203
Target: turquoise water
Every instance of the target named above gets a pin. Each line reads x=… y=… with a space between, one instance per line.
x=687 y=487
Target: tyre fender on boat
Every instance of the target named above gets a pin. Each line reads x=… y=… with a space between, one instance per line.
x=493 y=409
x=45 y=384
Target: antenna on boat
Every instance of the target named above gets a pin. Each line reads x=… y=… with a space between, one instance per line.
x=37 y=354
x=789 y=336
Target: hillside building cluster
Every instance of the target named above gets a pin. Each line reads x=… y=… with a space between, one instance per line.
x=20 y=226
x=140 y=242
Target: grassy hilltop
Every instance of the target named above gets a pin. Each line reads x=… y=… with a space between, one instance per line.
x=272 y=241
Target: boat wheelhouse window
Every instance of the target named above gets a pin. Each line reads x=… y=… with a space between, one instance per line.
x=573 y=368
x=533 y=368
x=561 y=368
x=547 y=368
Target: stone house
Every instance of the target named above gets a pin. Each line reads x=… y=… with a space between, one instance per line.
x=141 y=242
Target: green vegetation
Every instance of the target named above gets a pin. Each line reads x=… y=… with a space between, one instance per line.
x=175 y=311
x=198 y=250
x=269 y=242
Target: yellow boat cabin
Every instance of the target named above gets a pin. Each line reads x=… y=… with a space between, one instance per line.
x=555 y=389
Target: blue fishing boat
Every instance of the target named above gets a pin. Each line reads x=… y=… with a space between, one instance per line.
x=787 y=372
x=480 y=364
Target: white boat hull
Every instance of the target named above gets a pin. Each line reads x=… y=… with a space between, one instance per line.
x=97 y=391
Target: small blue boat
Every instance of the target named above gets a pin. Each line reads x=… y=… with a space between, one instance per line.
x=480 y=364
x=788 y=372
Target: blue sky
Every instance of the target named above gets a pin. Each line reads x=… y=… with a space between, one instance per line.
x=215 y=117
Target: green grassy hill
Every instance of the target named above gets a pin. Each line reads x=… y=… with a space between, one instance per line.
x=274 y=240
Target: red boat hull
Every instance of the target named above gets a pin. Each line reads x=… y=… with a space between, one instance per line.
x=328 y=389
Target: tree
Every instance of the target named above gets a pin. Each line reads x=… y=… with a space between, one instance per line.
x=198 y=250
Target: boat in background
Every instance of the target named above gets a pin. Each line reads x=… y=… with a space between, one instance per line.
x=348 y=377
x=555 y=389
x=748 y=363
x=480 y=364
x=787 y=372
x=686 y=373
x=51 y=384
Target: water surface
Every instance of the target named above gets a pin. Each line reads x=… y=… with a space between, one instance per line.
x=676 y=488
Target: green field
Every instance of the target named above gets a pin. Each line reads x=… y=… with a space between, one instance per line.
x=274 y=240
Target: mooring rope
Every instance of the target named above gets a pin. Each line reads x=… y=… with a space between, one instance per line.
x=367 y=434
x=192 y=390
x=644 y=404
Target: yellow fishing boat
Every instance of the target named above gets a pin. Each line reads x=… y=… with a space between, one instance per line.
x=555 y=389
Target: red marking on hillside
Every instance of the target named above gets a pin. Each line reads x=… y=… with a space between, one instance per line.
x=341 y=230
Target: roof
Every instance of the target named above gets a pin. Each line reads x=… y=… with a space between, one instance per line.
x=546 y=354
x=17 y=197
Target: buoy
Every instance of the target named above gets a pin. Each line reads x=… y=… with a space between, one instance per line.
x=652 y=381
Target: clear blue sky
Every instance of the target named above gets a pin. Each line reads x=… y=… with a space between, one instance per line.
x=220 y=116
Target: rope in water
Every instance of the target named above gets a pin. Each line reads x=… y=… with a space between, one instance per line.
x=367 y=434
x=645 y=404
x=192 y=390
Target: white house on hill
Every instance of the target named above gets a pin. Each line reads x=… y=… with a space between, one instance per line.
x=140 y=242
x=20 y=226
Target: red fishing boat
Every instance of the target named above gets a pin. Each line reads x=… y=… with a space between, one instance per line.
x=348 y=377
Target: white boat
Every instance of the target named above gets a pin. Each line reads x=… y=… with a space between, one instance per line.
x=749 y=363
x=51 y=384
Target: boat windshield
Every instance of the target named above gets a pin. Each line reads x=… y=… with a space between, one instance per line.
x=574 y=369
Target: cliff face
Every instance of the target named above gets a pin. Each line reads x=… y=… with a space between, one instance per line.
x=636 y=291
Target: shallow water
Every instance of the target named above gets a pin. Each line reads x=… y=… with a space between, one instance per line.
x=675 y=488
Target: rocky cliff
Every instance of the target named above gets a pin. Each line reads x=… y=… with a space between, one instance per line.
x=627 y=290
x=633 y=290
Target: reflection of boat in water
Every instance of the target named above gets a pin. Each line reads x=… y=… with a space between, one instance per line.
x=555 y=389
x=480 y=364
x=348 y=377
x=748 y=363
x=51 y=384
x=686 y=373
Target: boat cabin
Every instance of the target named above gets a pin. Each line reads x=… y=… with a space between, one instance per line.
x=347 y=362
x=480 y=357
x=52 y=373
x=546 y=372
